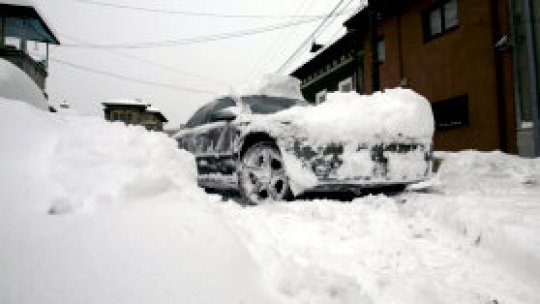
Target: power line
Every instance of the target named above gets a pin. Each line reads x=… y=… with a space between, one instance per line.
x=278 y=44
x=309 y=38
x=192 y=13
x=194 y=40
x=152 y=63
x=132 y=79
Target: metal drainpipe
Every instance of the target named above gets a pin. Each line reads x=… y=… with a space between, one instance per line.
x=499 y=81
x=517 y=99
x=531 y=46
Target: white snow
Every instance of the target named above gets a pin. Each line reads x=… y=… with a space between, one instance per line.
x=474 y=237
x=274 y=85
x=129 y=225
x=351 y=117
x=125 y=101
x=97 y=212
x=16 y=84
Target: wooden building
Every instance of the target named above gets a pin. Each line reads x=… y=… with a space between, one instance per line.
x=25 y=39
x=457 y=53
x=134 y=112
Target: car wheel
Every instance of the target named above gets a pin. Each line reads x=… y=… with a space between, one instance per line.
x=262 y=176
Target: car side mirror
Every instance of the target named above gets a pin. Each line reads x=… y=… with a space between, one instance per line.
x=227 y=114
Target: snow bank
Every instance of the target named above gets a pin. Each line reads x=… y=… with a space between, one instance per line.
x=472 y=238
x=351 y=117
x=492 y=199
x=15 y=84
x=94 y=212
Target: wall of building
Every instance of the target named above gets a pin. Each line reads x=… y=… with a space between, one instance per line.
x=460 y=62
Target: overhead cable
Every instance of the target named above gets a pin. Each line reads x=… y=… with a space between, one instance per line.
x=153 y=63
x=131 y=79
x=193 y=40
x=309 y=38
x=194 y=13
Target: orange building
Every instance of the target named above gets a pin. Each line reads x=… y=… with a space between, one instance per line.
x=457 y=53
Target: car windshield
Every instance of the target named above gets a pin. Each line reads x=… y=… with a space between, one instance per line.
x=269 y=105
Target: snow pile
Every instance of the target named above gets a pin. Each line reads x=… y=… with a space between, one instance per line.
x=275 y=85
x=492 y=199
x=15 y=84
x=473 y=238
x=380 y=117
x=93 y=212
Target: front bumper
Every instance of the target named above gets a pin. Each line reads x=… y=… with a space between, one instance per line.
x=353 y=165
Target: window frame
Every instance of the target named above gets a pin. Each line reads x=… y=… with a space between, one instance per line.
x=440 y=8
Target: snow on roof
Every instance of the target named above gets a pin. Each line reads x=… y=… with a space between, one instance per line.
x=152 y=109
x=125 y=102
x=39 y=12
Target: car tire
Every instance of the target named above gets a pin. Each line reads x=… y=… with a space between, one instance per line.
x=262 y=176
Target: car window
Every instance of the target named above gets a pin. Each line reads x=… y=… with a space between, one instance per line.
x=199 y=118
x=204 y=114
x=268 y=105
x=219 y=105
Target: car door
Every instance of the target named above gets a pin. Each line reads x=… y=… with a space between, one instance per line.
x=212 y=142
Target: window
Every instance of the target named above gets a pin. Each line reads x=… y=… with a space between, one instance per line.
x=345 y=85
x=202 y=116
x=451 y=113
x=219 y=105
x=381 y=54
x=320 y=97
x=199 y=118
x=114 y=116
x=440 y=19
x=268 y=105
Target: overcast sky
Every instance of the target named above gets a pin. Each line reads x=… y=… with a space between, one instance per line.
x=212 y=66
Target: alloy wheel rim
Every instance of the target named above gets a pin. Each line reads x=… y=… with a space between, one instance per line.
x=264 y=176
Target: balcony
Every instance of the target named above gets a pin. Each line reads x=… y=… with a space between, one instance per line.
x=37 y=70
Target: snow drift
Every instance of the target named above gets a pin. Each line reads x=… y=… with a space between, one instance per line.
x=93 y=212
x=15 y=84
x=351 y=117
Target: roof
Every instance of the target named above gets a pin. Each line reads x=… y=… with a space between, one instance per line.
x=37 y=28
x=157 y=112
x=125 y=102
x=342 y=46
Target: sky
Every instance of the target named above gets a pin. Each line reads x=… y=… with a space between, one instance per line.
x=173 y=72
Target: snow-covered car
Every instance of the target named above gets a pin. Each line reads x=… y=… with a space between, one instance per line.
x=272 y=148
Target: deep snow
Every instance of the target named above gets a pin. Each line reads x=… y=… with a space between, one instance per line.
x=129 y=225
x=15 y=84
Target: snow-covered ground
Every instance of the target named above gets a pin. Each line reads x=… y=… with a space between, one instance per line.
x=97 y=212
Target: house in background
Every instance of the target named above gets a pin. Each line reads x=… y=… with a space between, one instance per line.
x=25 y=39
x=474 y=60
x=153 y=119
x=134 y=112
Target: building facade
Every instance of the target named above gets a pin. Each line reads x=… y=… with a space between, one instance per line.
x=25 y=39
x=134 y=112
x=459 y=54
